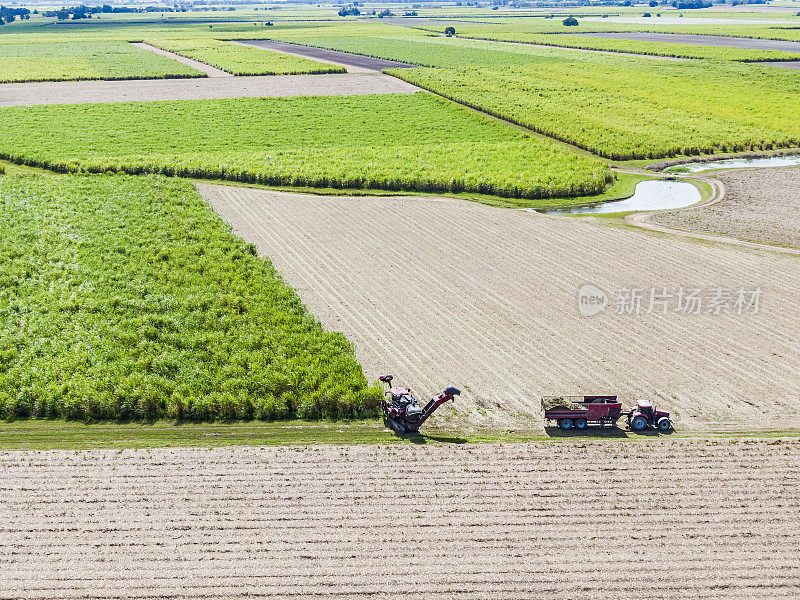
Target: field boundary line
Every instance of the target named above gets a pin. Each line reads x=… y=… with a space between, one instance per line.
x=198 y=65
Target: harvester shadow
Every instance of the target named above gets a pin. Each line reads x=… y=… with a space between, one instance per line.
x=421 y=438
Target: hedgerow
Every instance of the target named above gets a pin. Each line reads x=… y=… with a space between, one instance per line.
x=127 y=298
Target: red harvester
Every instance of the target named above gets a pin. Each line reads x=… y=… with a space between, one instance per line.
x=402 y=413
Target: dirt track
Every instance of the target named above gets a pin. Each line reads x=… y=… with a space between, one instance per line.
x=701 y=40
x=442 y=291
x=333 y=56
x=759 y=204
x=195 y=64
x=80 y=92
x=672 y=519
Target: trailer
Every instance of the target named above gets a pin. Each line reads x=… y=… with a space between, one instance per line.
x=578 y=412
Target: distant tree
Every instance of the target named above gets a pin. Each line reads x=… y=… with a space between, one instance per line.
x=449 y=31
x=385 y=13
x=570 y=21
x=2 y=22
x=647 y=15
x=653 y=3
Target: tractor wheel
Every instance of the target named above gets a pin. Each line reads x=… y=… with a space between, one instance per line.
x=664 y=425
x=580 y=424
x=565 y=424
x=638 y=423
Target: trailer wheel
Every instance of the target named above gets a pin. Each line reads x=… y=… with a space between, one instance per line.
x=664 y=424
x=565 y=424
x=638 y=423
x=580 y=424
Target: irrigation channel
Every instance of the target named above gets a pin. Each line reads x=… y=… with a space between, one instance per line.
x=736 y=163
x=649 y=195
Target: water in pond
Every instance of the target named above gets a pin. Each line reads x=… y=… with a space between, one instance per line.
x=649 y=195
x=737 y=163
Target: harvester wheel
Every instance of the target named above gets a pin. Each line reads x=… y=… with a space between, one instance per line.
x=565 y=424
x=638 y=423
x=580 y=424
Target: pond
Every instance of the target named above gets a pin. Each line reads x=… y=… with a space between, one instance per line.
x=736 y=163
x=650 y=195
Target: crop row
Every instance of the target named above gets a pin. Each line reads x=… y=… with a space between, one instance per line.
x=618 y=107
x=490 y=31
x=243 y=60
x=674 y=108
x=397 y=142
x=61 y=61
x=128 y=298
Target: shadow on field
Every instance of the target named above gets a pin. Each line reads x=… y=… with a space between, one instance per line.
x=420 y=438
x=601 y=432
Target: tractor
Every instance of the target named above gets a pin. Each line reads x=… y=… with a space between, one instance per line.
x=645 y=415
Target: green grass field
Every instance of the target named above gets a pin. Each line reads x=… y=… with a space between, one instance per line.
x=128 y=298
x=244 y=60
x=412 y=142
x=506 y=33
x=674 y=109
x=56 y=434
x=61 y=61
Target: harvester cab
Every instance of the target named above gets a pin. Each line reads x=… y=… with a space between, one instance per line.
x=402 y=412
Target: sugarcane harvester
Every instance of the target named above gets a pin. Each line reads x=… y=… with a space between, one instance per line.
x=402 y=413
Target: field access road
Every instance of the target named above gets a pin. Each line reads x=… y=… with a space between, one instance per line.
x=82 y=92
x=700 y=40
x=443 y=291
x=353 y=62
x=189 y=62
x=663 y=520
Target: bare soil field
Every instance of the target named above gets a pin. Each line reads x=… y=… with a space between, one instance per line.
x=760 y=204
x=347 y=59
x=667 y=519
x=273 y=86
x=441 y=291
x=701 y=40
x=189 y=62
x=784 y=64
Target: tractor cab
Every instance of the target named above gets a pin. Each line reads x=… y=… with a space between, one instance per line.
x=645 y=415
x=645 y=407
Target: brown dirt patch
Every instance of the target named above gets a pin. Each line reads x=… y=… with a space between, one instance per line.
x=348 y=59
x=760 y=204
x=274 y=86
x=673 y=519
x=441 y=291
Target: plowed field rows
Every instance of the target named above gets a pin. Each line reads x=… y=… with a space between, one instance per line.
x=441 y=291
x=667 y=519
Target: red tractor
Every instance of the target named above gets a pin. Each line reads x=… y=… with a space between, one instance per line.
x=402 y=413
x=645 y=415
x=578 y=412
